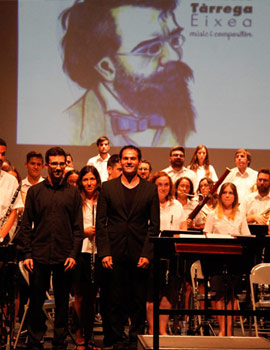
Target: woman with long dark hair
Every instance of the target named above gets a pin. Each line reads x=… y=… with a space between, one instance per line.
x=84 y=285
x=200 y=164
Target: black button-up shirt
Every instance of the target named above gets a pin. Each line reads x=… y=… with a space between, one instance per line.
x=52 y=225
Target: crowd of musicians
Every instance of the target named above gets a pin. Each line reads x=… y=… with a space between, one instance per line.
x=90 y=231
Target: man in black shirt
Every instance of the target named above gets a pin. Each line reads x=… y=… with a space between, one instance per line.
x=51 y=235
x=127 y=214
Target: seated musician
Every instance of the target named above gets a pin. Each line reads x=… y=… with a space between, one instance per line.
x=171 y=218
x=205 y=186
x=184 y=193
x=225 y=274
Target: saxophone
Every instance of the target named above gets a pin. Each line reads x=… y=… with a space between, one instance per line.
x=266 y=213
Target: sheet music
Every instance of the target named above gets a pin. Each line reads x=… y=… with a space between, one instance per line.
x=218 y=235
x=185 y=235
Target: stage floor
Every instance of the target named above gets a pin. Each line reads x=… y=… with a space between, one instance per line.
x=172 y=342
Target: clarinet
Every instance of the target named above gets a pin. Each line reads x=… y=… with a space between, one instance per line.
x=5 y=217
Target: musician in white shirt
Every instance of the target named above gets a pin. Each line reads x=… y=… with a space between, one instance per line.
x=225 y=219
x=200 y=164
x=257 y=204
x=171 y=218
x=8 y=187
x=100 y=161
x=177 y=169
x=84 y=284
x=242 y=175
x=34 y=165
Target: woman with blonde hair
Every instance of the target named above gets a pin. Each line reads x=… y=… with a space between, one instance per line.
x=226 y=273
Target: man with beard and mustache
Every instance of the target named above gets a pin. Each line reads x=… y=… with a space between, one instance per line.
x=177 y=169
x=50 y=237
x=257 y=203
x=128 y=58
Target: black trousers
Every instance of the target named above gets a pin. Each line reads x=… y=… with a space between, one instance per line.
x=39 y=283
x=127 y=290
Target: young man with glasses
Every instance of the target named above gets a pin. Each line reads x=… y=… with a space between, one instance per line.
x=51 y=237
x=128 y=57
x=177 y=169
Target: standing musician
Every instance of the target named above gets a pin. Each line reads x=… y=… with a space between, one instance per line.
x=10 y=202
x=8 y=187
x=51 y=236
x=84 y=283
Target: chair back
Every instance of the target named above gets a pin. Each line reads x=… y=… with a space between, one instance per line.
x=260 y=274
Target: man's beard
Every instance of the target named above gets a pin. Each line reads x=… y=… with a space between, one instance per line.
x=263 y=190
x=177 y=163
x=165 y=93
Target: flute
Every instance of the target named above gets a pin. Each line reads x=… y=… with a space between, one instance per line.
x=93 y=244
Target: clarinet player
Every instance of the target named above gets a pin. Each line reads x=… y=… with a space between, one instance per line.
x=10 y=199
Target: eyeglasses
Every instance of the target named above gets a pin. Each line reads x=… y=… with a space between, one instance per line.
x=56 y=164
x=177 y=155
x=154 y=47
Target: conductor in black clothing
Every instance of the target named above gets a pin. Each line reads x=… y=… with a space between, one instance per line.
x=51 y=236
x=127 y=215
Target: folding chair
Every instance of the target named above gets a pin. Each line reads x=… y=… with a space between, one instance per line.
x=259 y=277
x=48 y=306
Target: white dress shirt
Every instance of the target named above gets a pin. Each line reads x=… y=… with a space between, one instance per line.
x=243 y=182
x=238 y=226
x=101 y=165
x=171 y=215
x=8 y=187
x=184 y=172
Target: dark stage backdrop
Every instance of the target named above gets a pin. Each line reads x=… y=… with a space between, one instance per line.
x=227 y=47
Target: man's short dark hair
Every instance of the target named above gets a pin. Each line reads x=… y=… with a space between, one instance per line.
x=264 y=171
x=177 y=148
x=54 y=151
x=90 y=35
x=34 y=154
x=139 y=153
x=147 y=162
x=114 y=159
x=3 y=142
x=102 y=139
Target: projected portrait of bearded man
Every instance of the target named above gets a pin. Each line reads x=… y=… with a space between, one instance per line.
x=127 y=55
